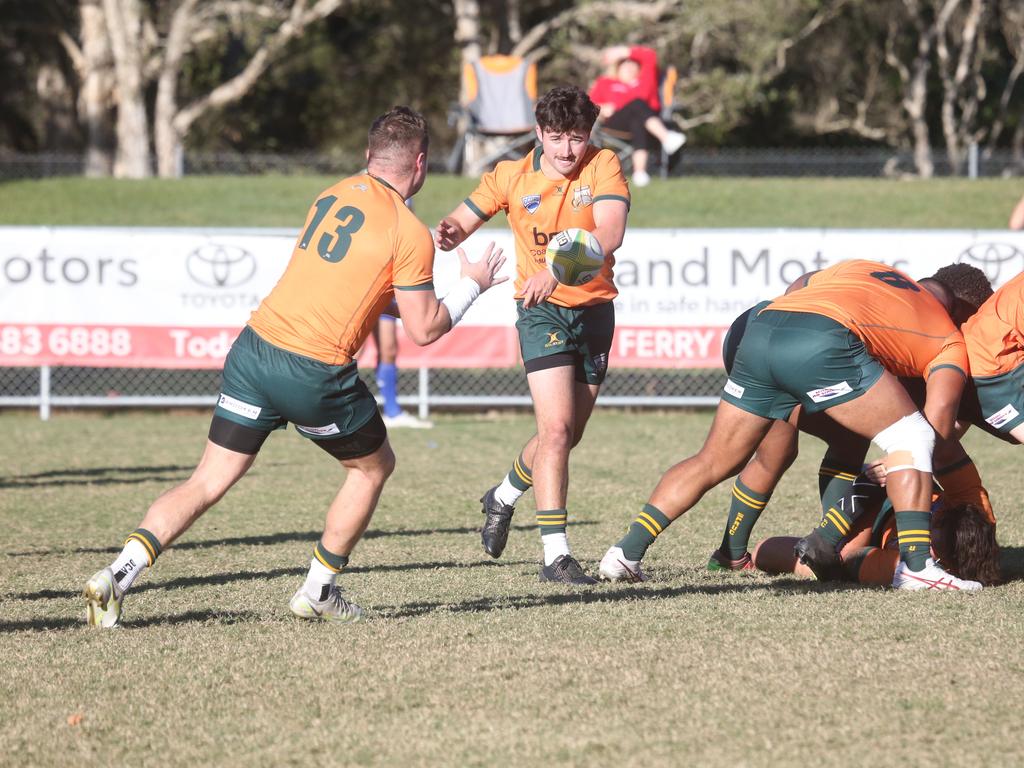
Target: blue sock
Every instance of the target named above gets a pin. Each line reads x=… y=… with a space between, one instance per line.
x=387 y=381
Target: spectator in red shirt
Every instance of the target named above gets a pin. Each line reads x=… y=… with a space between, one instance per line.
x=628 y=97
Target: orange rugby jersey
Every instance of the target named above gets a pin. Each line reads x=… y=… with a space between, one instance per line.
x=360 y=243
x=902 y=325
x=995 y=335
x=538 y=207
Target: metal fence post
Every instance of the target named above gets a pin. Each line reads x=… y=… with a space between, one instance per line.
x=424 y=393
x=972 y=160
x=44 y=392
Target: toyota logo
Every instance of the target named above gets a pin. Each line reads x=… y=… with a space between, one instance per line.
x=994 y=259
x=220 y=266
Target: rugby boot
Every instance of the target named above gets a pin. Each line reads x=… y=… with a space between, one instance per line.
x=720 y=561
x=102 y=600
x=820 y=556
x=615 y=567
x=494 y=534
x=334 y=608
x=566 y=570
x=932 y=577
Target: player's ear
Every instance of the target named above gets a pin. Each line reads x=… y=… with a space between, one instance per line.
x=540 y=134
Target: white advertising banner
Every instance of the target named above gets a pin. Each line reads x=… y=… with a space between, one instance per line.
x=177 y=297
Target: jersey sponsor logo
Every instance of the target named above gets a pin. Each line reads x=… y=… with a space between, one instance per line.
x=828 y=393
x=327 y=429
x=361 y=187
x=542 y=238
x=229 y=403
x=734 y=389
x=1003 y=416
x=531 y=203
x=581 y=198
x=553 y=340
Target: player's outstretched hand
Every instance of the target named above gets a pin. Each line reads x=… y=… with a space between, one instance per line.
x=485 y=270
x=449 y=234
x=538 y=287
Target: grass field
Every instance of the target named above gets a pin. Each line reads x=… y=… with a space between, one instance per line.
x=465 y=661
x=282 y=201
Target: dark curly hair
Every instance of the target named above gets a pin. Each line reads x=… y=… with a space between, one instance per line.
x=968 y=540
x=566 y=108
x=968 y=286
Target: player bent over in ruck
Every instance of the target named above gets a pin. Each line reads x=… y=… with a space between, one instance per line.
x=837 y=345
x=360 y=248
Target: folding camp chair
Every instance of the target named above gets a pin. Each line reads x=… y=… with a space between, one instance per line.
x=496 y=114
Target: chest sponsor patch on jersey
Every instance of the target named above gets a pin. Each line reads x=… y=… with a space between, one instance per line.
x=828 y=393
x=531 y=203
x=327 y=429
x=248 y=410
x=734 y=389
x=582 y=197
x=1003 y=416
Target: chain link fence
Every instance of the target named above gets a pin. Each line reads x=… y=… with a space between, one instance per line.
x=422 y=389
x=692 y=161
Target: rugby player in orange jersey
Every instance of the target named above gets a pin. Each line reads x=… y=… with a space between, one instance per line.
x=837 y=345
x=963 y=535
x=565 y=332
x=995 y=348
x=360 y=248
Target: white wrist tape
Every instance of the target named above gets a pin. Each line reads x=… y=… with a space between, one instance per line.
x=460 y=297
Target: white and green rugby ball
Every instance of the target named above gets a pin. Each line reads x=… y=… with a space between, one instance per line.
x=574 y=256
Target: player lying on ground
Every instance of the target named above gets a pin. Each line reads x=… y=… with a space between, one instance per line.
x=565 y=332
x=845 y=450
x=360 y=247
x=963 y=537
x=838 y=345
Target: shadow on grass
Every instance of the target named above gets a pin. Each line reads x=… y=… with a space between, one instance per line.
x=604 y=594
x=217 y=579
x=189 y=617
x=275 y=538
x=96 y=476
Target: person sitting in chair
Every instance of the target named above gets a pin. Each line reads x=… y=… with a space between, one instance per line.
x=628 y=97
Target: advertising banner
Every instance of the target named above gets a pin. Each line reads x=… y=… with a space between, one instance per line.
x=176 y=298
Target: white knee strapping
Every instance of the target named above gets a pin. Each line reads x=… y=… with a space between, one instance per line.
x=908 y=444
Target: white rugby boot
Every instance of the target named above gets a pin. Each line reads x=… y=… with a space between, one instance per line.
x=933 y=576
x=102 y=600
x=615 y=567
x=334 y=608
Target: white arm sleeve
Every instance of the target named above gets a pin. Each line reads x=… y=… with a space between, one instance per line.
x=460 y=297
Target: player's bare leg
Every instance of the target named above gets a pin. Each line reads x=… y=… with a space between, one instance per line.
x=499 y=502
x=165 y=520
x=751 y=492
x=554 y=394
x=734 y=436
x=347 y=519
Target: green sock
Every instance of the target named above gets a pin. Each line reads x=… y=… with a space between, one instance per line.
x=329 y=559
x=642 y=532
x=914 y=531
x=835 y=480
x=744 y=510
x=520 y=476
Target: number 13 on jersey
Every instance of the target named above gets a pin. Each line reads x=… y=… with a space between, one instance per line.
x=333 y=247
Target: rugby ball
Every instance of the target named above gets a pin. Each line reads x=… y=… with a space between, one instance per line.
x=574 y=256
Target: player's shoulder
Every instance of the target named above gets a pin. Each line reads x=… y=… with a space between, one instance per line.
x=600 y=157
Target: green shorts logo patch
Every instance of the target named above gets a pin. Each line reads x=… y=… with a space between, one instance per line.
x=553 y=339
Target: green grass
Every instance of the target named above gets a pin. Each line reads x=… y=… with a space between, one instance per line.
x=282 y=201
x=465 y=661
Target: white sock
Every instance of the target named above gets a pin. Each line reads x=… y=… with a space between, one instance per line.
x=506 y=493
x=130 y=564
x=319 y=580
x=555 y=545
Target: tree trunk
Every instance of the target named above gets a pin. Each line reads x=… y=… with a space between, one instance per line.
x=168 y=141
x=467 y=38
x=95 y=65
x=124 y=27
